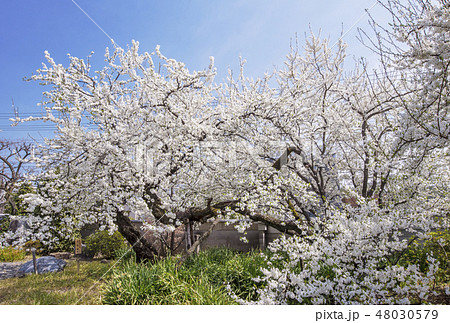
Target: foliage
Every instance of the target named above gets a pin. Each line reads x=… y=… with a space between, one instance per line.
x=125 y=254
x=161 y=284
x=10 y=254
x=436 y=244
x=17 y=195
x=61 y=288
x=36 y=244
x=104 y=243
x=222 y=266
x=4 y=224
x=203 y=279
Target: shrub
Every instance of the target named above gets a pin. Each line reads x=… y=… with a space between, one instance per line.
x=10 y=254
x=104 y=243
x=438 y=245
x=4 y=223
x=40 y=249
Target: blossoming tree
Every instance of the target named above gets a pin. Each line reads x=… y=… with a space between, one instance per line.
x=12 y=157
x=377 y=143
x=353 y=180
x=93 y=170
x=415 y=53
x=332 y=159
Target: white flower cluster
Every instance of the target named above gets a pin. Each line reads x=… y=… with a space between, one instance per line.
x=353 y=263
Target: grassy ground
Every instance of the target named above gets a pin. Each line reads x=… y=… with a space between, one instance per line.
x=63 y=288
x=199 y=281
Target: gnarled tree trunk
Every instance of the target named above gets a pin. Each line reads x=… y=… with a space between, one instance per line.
x=143 y=248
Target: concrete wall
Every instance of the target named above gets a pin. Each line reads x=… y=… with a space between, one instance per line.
x=223 y=235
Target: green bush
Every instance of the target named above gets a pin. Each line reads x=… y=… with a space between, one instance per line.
x=201 y=280
x=438 y=246
x=4 y=224
x=10 y=254
x=105 y=244
x=40 y=248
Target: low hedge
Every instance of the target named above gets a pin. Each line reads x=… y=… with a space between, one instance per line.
x=105 y=244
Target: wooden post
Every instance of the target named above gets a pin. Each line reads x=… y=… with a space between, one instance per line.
x=197 y=243
x=33 y=252
x=77 y=251
x=262 y=229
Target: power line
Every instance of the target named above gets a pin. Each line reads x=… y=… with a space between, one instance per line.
x=355 y=23
x=112 y=40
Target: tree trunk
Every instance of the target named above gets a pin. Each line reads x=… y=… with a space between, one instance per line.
x=143 y=248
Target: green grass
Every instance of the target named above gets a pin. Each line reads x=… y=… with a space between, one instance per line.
x=222 y=266
x=160 y=284
x=63 y=288
x=201 y=280
x=10 y=254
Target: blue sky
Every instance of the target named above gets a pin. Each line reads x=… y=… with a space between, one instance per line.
x=188 y=30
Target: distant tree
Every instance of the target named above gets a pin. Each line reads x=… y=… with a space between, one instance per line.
x=12 y=158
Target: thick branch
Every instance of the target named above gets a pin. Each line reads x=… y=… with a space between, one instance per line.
x=143 y=248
